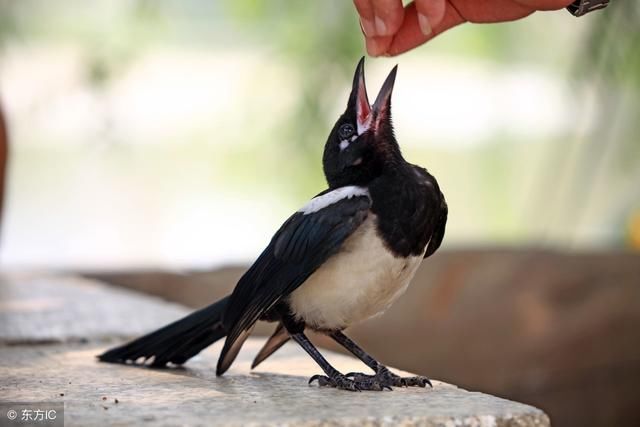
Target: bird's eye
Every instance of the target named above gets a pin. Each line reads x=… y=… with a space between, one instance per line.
x=346 y=131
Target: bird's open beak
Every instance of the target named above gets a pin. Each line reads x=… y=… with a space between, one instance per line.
x=367 y=116
x=359 y=101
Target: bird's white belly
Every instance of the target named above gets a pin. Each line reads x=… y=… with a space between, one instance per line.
x=355 y=284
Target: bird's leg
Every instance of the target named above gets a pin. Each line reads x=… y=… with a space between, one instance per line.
x=333 y=378
x=382 y=374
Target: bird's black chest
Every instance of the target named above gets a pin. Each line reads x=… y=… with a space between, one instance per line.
x=407 y=205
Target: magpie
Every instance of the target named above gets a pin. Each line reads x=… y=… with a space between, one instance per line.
x=344 y=257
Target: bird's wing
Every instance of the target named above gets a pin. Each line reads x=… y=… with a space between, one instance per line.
x=303 y=243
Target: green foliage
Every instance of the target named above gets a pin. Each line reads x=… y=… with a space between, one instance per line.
x=319 y=42
x=322 y=42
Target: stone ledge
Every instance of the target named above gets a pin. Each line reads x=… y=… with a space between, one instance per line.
x=275 y=394
x=58 y=309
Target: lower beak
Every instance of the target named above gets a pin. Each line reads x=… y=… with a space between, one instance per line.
x=382 y=106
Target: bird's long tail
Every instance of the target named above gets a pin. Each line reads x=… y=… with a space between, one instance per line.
x=175 y=343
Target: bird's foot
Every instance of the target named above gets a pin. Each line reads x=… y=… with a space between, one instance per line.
x=343 y=383
x=386 y=378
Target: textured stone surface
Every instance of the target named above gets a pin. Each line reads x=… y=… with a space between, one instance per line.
x=275 y=394
x=55 y=309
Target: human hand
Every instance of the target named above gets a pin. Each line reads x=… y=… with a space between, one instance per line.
x=391 y=29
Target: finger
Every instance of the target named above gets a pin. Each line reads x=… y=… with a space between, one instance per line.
x=494 y=11
x=367 y=17
x=388 y=16
x=377 y=46
x=410 y=35
x=430 y=14
x=545 y=4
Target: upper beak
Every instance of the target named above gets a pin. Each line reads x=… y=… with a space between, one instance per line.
x=359 y=100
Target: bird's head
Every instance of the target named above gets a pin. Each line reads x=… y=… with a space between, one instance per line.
x=361 y=145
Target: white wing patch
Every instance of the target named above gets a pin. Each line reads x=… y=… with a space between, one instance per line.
x=321 y=202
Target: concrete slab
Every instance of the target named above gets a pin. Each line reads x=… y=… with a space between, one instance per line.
x=36 y=308
x=275 y=394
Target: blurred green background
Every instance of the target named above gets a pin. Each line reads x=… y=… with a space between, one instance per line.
x=149 y=133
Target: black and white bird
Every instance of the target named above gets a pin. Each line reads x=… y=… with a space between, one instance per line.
x=344 y=257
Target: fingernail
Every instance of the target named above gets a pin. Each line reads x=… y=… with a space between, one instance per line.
x=423 y=22
x=381 y=27
x=367 y=27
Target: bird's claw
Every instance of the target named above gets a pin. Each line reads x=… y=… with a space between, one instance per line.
x=343 y=383
x=340 y=382
x=417 y=381
x=388 y=379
